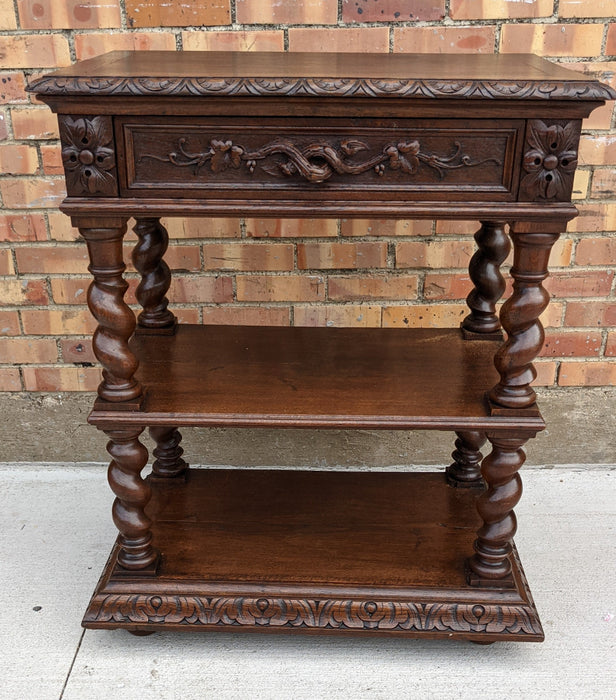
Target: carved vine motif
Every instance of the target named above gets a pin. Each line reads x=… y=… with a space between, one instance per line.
x=340 y=87
x=551 y=160
x=297 y=613
x=317 y=162
x=88 y=155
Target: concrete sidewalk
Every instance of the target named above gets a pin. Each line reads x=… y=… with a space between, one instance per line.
x=56 y=532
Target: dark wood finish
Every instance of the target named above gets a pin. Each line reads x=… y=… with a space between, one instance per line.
x=168 y=453
x=155 y=275
x=491 y=563
x=156 y=134
x=466 y=468
x=489 y=284
x=294 y=551
x=129 y=457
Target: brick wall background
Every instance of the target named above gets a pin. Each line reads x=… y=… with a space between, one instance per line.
x=351 y=273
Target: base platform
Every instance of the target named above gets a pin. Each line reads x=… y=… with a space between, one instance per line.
x=314 y=551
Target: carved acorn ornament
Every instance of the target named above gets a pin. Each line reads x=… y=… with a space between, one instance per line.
x=550 y=161
x=88 y=155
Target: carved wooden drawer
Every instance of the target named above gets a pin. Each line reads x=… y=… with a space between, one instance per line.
x=380 y=158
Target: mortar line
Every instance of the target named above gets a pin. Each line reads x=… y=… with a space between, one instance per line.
x=70 y=670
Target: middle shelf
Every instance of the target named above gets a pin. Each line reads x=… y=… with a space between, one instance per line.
x=248 y=376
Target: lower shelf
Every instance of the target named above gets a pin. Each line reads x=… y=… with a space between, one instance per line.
x=338 y=552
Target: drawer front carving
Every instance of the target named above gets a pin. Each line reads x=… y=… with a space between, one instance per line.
x=384 y=159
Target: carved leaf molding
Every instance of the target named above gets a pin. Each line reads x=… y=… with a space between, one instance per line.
x=339 y=87
x=317 y=162
x=306 y=613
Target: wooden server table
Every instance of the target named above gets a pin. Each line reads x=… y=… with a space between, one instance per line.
x=492 y=138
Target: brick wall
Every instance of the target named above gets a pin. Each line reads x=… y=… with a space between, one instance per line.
x=351 y=273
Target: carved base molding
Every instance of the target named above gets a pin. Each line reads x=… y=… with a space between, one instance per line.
x=286 y=594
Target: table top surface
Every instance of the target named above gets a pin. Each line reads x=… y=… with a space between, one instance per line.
x=192 y=73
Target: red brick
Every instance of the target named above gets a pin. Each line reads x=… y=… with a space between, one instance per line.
x=246 y=315
x=605 y=71
x=17 y=292
x=594 y=216
x=27 y=350
x=4 y=129
x=500 y=9
x=587 y=374
x=76 y=321
x=552 y=39
x=247 y=256
x=604 y=183
x=311 y=256
x=596 y=251
x=18 y=159
x=446 y=286
x=610 y=45
x=10 y=379
x=61 y=378
x=581 y=180
x=444 y=39
x=458 y=228
x=435 y=254
x=6 y=262
x=296 y=12
x=280 y=288
x=34 y=51
x=180 y=258
x=234 y=41
x=340 y=315
x=7 y=15
x=572 y=344
x=202 y=228
x=587 y=8
x=354 y=288
x=601 y=118
x=598 y=150
x=60 y=228
x=162 y=13
x=77 y=350
x=186 y=314
x=552 y=316
x=546 y=373
x=9 y=323
x=579 y=284
x=34 y=123
x=590 y=313
x=360 y=40
x=422 y=316
x=291 y=228
x=385 y=227
x=392 y=10
x=38 y=193
x=51 y=156
x=23 y=227
x=72 y=290
x=610 y=347
x=187 y=290
x=59 y=259
x=12 y=87
x=94 y=43
x=69 y=14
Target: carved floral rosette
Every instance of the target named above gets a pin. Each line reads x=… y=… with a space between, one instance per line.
x=355 y=615
x=550 y=160
x=88 y=155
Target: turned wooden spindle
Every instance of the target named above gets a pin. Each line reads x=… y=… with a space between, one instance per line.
x=129 y=457
x=147 y=258
x=494 y=538
x=116 y=321
x=493 y=246
x=520 y=316
x=168 y=453
x=465 y=470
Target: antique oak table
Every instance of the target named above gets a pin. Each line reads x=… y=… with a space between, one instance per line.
x=491 y=138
